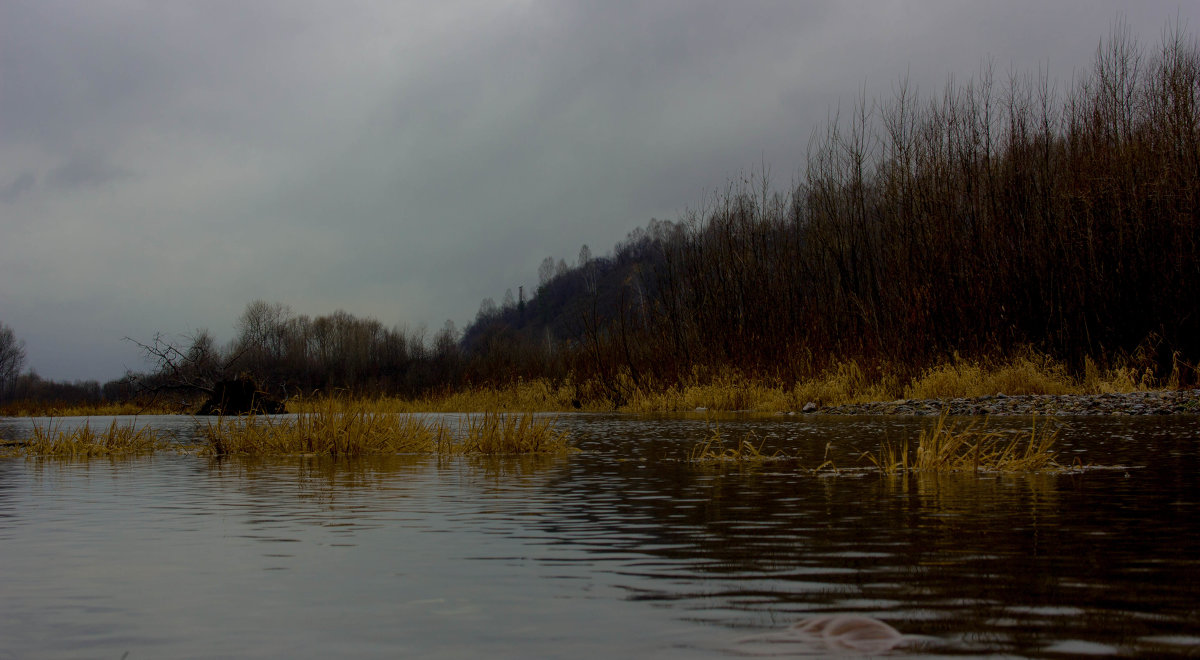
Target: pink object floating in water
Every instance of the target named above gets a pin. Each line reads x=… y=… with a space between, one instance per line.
x=851 y=632
x=845 y=633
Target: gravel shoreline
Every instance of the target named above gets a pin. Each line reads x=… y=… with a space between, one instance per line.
x=1158 y=402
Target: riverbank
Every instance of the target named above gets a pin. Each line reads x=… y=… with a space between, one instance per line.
x=1154 y=402
x=1024 y=385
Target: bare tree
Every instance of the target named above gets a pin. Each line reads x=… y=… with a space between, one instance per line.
x=193 y=363
x=198 y=366
x=487 y=309
x=262 y=338
x=545 y=271
x=263 y=324
x=588 y=266
x=12 y=359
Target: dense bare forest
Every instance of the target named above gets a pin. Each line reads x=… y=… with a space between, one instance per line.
x=997 y=216
x=1001 y=215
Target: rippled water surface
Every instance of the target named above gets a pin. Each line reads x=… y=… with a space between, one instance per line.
x=623 y=550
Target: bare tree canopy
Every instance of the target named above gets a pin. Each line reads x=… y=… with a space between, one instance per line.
x=12 y=358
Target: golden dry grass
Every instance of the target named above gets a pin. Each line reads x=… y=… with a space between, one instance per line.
x=723 y=390
x=53 y=409
x=846 y=383
x=730 y=390
x=849 y=383
x=334 y=433
x=1027 y=373
x=537 y=395
x=84 y=442
x=970 y=447
x=747 y=450
x=495 y=433
x=341 y=428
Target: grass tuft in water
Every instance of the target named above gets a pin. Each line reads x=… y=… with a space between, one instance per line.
x=951 y=447
x=713 y=449
x=494 y=433
x=85 y=442
x=333 y=433
x=340 y=429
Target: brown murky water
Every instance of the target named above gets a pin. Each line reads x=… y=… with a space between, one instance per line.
x=624 y=550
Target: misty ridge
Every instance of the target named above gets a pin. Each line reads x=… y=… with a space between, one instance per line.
x=1007 y=215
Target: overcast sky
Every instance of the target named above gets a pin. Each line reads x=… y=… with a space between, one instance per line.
x=164 y=163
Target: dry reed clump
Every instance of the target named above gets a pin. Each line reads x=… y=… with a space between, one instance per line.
x=845 y=383
x=52 y=409
x=329 y=431
x=526 y=395
x=1121 y=378
x=849 y=383
x=727 y=391
x=713 y=449
x=538 y=394
x=1027 y=374
x=345 y=429
x=949 y=447
x=494 y=433
x=83 y=442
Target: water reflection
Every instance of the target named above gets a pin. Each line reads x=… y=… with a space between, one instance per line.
x=625 y=548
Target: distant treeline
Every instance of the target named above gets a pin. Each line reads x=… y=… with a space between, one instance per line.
x=16 y=385
x=996 y=216
x=288 y=355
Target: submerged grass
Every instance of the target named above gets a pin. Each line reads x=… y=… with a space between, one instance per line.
x=84 y=442
x=747 y=450
x=951 y=447
x=346 y=429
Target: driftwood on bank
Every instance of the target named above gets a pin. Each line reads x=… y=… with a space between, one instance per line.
x=199 y=368
x=239 y=397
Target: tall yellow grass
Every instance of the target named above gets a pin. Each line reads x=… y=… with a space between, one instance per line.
x=494 y=433
x=849 y=383
x=844 y=383
x=53 y=409
x=335 y=433
x=1028 y=373
x=536 y=395
x=341 y=428
x=950 y=447
x=84 y=442
x=747 y=450
x=730 y=390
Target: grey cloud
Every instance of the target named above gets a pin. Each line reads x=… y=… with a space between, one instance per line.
x=13 y=191
x=408 y=159
x=85 y=171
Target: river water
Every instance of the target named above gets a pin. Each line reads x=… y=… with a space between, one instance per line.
x=625 y=549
